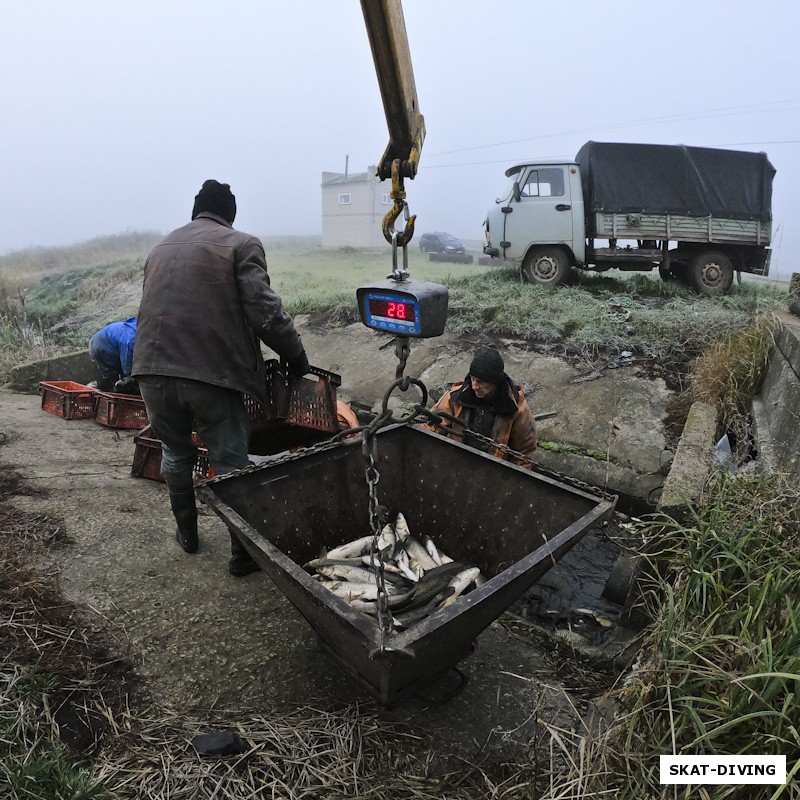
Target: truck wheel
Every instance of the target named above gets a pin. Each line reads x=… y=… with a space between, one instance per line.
x=711 y=273
x=679 y=272
x=545 y=265
x=665 y=273
x=675 y=274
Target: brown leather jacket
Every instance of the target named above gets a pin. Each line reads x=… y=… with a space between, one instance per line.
x=518 y=431
x=206 y=302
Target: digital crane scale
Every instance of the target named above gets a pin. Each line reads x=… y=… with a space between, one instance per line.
x=404 y=308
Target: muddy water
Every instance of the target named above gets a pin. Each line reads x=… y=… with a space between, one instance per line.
x=569 y=597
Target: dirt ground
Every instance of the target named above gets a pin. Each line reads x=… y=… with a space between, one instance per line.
x=202 y=639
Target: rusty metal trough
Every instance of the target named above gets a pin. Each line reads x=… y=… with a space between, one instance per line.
x=512 y=523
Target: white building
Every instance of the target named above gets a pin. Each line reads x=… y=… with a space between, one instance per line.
x=353 y=207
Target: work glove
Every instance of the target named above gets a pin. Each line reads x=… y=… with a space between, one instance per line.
x=298 y=366
x=127 y=386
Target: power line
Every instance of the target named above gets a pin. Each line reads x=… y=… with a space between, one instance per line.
x=571 y=156
x=690 y=115
x=756 y=144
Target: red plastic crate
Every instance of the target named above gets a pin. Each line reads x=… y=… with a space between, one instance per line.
x=147 y=457
x=298 y=412
x=124 y=411
x=67 y=399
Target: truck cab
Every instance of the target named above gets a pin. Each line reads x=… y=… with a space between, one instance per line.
x=539 y=220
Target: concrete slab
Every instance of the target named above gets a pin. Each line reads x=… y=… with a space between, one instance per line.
x=71 y=367
x=693 y=459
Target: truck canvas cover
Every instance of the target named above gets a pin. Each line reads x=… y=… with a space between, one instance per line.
x=676 y=179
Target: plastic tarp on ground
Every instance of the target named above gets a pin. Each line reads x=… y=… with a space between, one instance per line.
x=675 y=179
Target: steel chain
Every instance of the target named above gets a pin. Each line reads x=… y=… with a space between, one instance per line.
x=536 y=467
x=320 y=447
x=402 y=349
x=377 y=519
x=421 y=415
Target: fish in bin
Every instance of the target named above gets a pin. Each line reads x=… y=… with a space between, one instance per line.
x=419 y=578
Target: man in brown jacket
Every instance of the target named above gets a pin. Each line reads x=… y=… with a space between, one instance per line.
x=206 y=303
x=488 y=403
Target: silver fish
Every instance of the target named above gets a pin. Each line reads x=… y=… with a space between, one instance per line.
x=347 y=591
x=405 y=619
x=358 y=590
x=387 y=538
x=605 y=622
x=418 y=578
x=347 y=573
x=391 y=573
x=404 y=565
x=432 y=551
x=445 y=558
x=352 y=549
x=351 y=591
x=369 y=607
x=461 y=581
x=435 y=581
x=316 y=563
x=388 y=566
x=418 y=553
x=401 y=528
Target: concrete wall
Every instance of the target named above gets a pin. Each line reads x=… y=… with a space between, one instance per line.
x=776 y=409
x=776 y=423
x=76 y=367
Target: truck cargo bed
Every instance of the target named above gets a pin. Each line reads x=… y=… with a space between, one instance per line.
x=678 y=227
x=698 y=182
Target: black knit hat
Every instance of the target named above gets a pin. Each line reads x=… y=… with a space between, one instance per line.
x=488 y=366
x=215 y=197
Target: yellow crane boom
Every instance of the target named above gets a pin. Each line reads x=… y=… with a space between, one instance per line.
x=386 y=29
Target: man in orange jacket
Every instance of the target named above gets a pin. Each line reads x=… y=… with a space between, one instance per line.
x=488 y=402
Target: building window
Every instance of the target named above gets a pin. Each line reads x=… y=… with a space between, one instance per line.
x=385 y=199
x=345 y=199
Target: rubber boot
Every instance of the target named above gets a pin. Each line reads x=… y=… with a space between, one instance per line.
x=185 y=512
x=107 y=384
x=241 y=563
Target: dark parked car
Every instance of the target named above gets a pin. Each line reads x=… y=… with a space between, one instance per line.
x=440 y=243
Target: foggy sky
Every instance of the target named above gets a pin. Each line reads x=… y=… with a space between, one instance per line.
x=114 y=112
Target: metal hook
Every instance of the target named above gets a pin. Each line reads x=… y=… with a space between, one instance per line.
x=400 y=207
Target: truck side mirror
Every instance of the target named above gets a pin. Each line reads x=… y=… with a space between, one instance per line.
x=516 y=192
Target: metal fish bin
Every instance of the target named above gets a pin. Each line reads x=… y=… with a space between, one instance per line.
x=511 y=522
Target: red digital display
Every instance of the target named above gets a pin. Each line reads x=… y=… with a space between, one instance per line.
x=392 y=309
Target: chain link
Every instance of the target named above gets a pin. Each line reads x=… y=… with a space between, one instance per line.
x=402 y=349
x=420 y=415
x=320 y=447
x=436 y=419
x=377 y=520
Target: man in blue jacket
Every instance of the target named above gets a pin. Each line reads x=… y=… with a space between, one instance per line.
x=111 y=349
